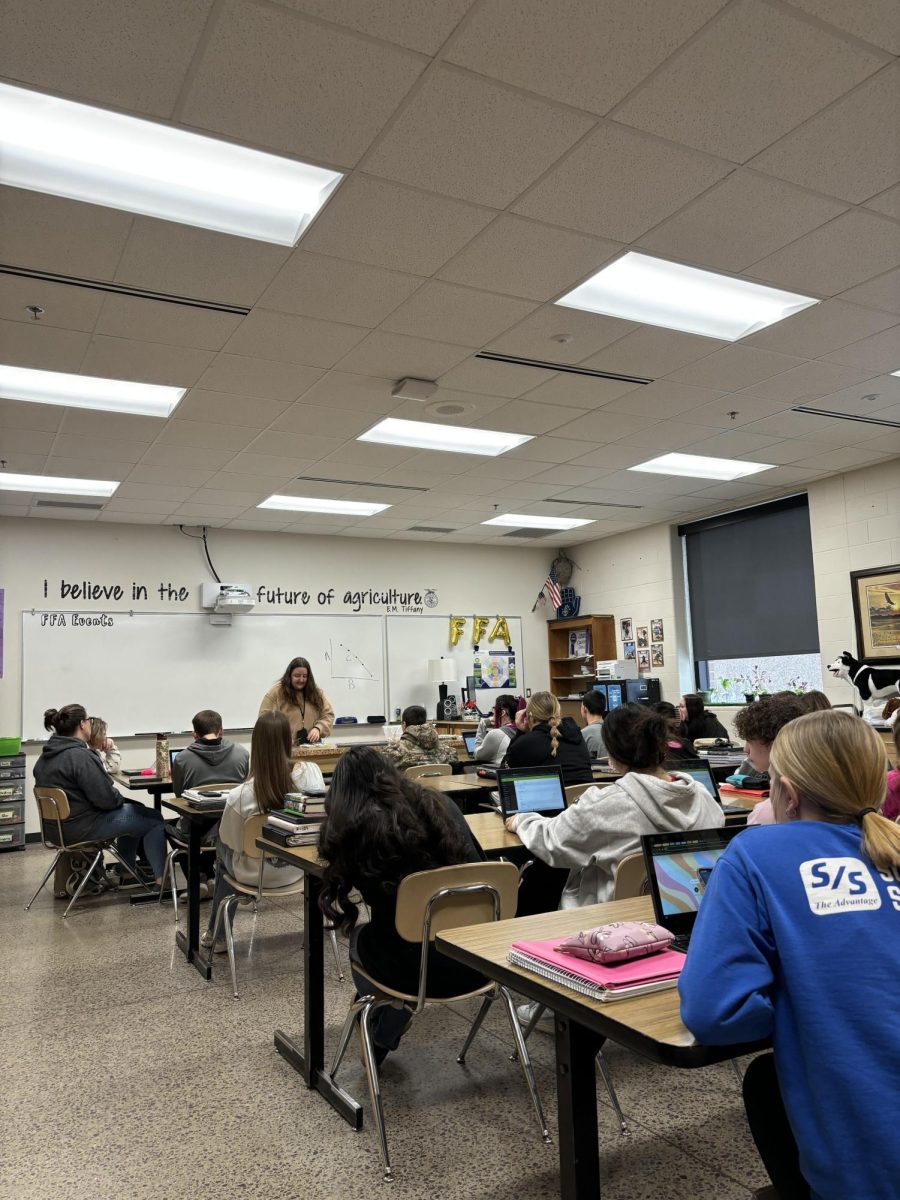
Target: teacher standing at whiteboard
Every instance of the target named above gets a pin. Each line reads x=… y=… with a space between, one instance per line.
x=305 y=705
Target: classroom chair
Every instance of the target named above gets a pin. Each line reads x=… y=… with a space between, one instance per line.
x=246 y=894
x=631 y=877
x=575 y=791
x=53 y=809
x=427 y=902
x=178 y=848
x=427 y=770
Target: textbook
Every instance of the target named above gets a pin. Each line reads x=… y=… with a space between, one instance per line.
x=599 y=981
x=215 y=801
x=305 y=835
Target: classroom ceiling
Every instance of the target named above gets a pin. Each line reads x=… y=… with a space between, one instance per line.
x=496 y=153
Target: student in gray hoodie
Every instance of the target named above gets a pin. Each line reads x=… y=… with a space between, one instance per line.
x=209 y=759
x=592 y=836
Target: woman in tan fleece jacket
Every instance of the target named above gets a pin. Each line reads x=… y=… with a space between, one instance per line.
x=306 y=707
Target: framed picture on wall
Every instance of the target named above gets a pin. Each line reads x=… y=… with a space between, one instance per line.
x=626 y=629
x=657 y=658
x=643 y=660
x=656 y=630
x=643 y=636
x=876 y=611
x=628 y=648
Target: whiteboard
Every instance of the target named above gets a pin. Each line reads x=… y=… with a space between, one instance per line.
x=413 y=640
x=149 y=672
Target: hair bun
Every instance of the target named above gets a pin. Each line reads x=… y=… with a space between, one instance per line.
x=50 y=716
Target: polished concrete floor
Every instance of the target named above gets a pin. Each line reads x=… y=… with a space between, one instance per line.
x=126 y=1077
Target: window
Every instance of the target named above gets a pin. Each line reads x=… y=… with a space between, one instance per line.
x=731 y=680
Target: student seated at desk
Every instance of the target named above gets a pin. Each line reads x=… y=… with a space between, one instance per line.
x=96 y=809
x=104 y=747
x=679 y=747
x=758 y=725
x=548 y=739
x=273 y=776
x=697 y=721
x=593 y=710
x=798 y=940
x=594 y=835
x=380 y=827
x=210 y=758
x=419 y=743
x=503 y=727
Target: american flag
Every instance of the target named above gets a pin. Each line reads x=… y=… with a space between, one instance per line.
x=550 y=590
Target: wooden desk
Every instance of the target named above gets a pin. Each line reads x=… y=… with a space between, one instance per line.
x=651 y=1025
x=491 y=834
x=151 y=784
x=189 y=943
x=448 y=784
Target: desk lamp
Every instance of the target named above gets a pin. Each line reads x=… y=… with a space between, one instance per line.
x=443 y=671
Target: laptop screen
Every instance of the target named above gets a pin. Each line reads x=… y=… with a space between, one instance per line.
x=469 y=739
x=614 y=697
x=173 y=754
x=678 y=869
x=531 y=789
x=700 y=772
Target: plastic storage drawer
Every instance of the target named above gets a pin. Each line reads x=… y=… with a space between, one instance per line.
x=12 y=790
x=12 y=837
x=12 y=813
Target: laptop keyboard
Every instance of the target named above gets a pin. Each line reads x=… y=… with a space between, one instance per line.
x=680 y=943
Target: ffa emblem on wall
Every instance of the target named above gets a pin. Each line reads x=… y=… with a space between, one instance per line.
x=571 y=604
x=431 y=598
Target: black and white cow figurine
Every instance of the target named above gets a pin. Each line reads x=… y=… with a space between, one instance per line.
x=872 y=683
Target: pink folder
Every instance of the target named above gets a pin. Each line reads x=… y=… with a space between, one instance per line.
x=665 y=964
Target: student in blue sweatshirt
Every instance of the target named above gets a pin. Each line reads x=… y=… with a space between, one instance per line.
x=798 y=940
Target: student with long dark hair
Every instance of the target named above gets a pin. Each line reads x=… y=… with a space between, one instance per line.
x=298 y=696
x=679 y=748
x=380 y=827
x=497 y=739
x=96 y=809
x=697 y=721
x=798 y=940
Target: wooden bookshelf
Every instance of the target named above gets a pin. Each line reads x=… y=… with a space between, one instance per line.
x=600 y=635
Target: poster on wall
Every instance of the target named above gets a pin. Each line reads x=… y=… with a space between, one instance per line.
x=656 y=630
x=643 y=637
x=495 y=669
x=643 y=660
x=657 y=657
x=628 y=650
x=626 y=629
x=876 y=610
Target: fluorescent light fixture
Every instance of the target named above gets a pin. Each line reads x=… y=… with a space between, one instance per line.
x=87 y=391
x=699 y=467
x=523 y=521
x=424 y=435
x=56 y=485
x=345 y=508
x=895 y=373
x=86 y=153
x=637 y=287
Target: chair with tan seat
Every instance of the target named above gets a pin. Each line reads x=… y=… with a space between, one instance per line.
x=575 y=791
x=427 y=902
x=631 y=877
x=178 y=848
x=54 y=811
x=427 y=770
x=246 y=894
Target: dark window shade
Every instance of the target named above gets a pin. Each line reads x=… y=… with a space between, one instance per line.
x=751 y=584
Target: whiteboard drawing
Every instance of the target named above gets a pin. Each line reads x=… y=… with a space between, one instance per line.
x=346 y=664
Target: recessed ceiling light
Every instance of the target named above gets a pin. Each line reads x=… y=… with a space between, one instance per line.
x=86 y=153
x=55 y=485
x=699 y=467
x=893 y=373
x=423 y=435
x=86 y=391
x=524 y=521
x=637 y=287
x=346 y=508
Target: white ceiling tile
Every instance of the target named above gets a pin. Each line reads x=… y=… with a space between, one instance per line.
x=666 y=435
x=882 y=292
x=235 y=481
x=734 y=367
x=456 y=408
x=568 y=476
x=880 y=352
x=62 y=236
x=733 y=491
x=27 y=464
x=103 y=426
x=113 y=450
x=146 y=362
x=462 y=136
x=784 y=452
x=165 y=492
x=274 y=467
x=342 y=475
x=355 y=393
x=206 y=435
x=526 y=258
x=373 y=221
x=887 y=202
x=309 y=419
x=149 y=507
x=494 y=378
x=157 y=475
x=421 y=471
x=875 y=21
x=619 y=183
x=64 y=307
x=581 y=391
x=228 y=498
x=219 y=513
x=750 y=76
x=288 y=338
x=268 y=77
x=303 y=447
x=804 y=426
x=651 y=352
x=62 y=514
x=394 y=356
x=662 y=399
x=819 y=329
x=174 y=324
x=588 y=53
x=850 y=149
x=180 y=260
x=504 y=467
x=260 y=522
x=17 y=510
x=255 y=412
x=788 y=475
x=582 y=334
x=840 y=459
x=334 y=289
x=612 y=458
x=26 y=441
x=17 y=414
x=603 y=425
x=806 y=382
x=132 y=56
x=554 y=449
x=732 y=442
x=369 y=458
x=188 y=458
x=731 y=412
x=42 y=346
x=86 y=468
x=117 y=517
x=525 y=491
x=867 y=397
x=462 y=315
x=521 y=416
x=739 y=221
x=847 y=251
x=422 y=27
x=258 y=377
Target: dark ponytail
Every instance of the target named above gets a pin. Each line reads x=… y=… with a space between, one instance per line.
x=636 y=737
x=64 y=721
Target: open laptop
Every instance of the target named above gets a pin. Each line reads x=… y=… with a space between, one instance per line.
x=173 y=754
x=678 y=869
x=469 y=740
x=531 y=789
x=700 y=771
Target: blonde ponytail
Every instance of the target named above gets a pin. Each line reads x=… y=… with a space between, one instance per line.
x=838 y=764
x=544 y=706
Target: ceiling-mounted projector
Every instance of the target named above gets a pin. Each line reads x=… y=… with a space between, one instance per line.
x=226 y=597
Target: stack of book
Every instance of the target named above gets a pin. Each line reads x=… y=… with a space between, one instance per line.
x=298 y=823
x=599 y=981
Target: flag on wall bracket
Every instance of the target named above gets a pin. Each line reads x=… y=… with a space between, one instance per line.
x=549 y=591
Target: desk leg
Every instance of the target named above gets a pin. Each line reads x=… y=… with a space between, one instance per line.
x=190 y=944
x=310 y=1062
x=576 y=1091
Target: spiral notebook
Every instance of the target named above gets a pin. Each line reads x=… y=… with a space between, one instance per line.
x=599 y=981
